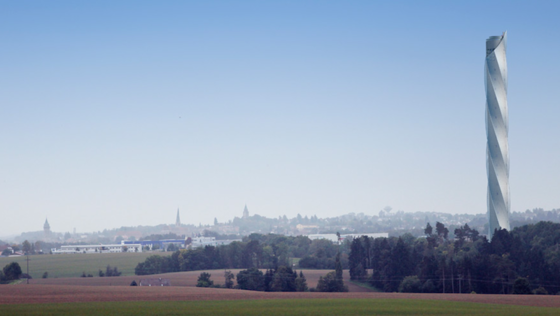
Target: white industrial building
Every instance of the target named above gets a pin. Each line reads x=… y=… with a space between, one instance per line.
x=113 y=248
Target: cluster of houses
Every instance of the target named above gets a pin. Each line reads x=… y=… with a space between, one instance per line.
x=7 y=251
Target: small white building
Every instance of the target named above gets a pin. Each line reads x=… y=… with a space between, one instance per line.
x=112 y=248
x=330 y=237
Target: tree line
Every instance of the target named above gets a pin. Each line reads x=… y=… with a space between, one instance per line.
x=280 y=279
x=525 y=260
x=255 y=251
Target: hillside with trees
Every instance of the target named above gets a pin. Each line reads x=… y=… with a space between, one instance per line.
x=525 y=260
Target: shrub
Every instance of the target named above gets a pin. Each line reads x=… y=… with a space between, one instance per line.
x=12 y=271
x=301 y=283
x=112 y=272
x=229 y=279
x=429 y=287
x=250 y=279
x=283 y=280
x=521 y=286
x=410 y=284
x=45 y=275
x=540 y=291
x=204 y=280
x=133 y=283
x=330 y=283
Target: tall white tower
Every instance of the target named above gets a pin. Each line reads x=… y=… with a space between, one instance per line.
x=497 y=155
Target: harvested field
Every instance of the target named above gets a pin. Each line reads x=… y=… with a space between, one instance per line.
x=183 y=279
x=33 y=293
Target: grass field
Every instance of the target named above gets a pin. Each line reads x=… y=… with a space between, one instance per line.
x=72 y=265
x=279 y=307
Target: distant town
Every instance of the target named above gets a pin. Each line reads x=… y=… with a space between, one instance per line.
x=170 y=237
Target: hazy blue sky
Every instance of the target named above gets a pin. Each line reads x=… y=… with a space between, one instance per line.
x=115 y=113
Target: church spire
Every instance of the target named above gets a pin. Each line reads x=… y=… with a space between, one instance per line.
x=178 y=220
x=245 y=212
x=47 y=230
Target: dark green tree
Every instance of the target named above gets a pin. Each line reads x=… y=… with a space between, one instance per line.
x=26 y=247
x=204 y=280
x=400 y=266
x=521 y=286
x=330 y=283
x=250 y=279
x=12 y=271
x=301 y=283
x=228 y=279
x=357 y=260
x=112 y=271
x=284 y=280
x=441 y=231
x=428 y=230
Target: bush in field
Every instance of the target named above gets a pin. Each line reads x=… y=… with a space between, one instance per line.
x=12 y=271
x=204 y=280
x=540 y=291
x=112 y=272
x=411 y=284
x=331 y=283
x=283 y=280
x=229 y=279
x=45 y=275
x=250 y=279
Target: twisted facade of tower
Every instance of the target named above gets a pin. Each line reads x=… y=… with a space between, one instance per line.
x=497 y=156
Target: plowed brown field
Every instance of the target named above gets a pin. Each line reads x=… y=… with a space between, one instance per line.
x=184 y=279
x=34 y=293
